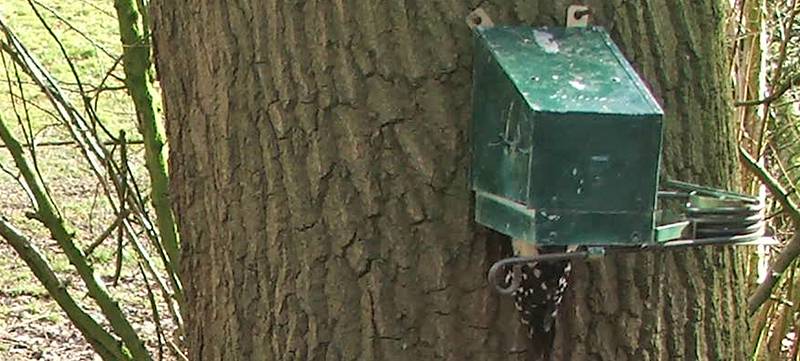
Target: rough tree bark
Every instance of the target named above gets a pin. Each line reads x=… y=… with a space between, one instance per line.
x=319 y=163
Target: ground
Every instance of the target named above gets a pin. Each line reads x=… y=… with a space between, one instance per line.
x=32 y=326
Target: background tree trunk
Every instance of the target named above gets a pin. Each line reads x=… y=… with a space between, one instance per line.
x=319 y=164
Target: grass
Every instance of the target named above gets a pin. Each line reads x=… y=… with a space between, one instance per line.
x=31 y=324
x=91 y=19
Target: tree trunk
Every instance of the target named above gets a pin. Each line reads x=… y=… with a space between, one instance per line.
x=319 y=158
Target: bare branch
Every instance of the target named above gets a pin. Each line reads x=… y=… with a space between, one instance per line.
x=776 y=94
x=57 y=143
x=102 y=342
x=73 y=28
x=102 y=237
x=791 y=250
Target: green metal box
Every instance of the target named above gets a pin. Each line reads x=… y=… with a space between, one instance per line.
x=566 y=138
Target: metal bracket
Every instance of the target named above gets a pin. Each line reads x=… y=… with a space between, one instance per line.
x=578 y=16
x=596 y=252
x=479 y=17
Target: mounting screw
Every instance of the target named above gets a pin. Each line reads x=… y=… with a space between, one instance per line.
x=578 y=16
x=479 y=17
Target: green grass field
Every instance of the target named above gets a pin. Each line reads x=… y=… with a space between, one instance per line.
x=31 y=325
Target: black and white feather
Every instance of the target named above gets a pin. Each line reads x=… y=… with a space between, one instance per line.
x=539 y=295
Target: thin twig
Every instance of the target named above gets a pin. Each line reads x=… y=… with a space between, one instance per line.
x=123 y=194
x=775 y=95
x=99 y=9
x=106 y=76
x=57 y=143
x=778 y=73
x=177 y=351
x=37 y=106
x=61 y=47
x=107 y=232
x=790 y=251
x=19 y=120
x=75 y=29
x=154 y=312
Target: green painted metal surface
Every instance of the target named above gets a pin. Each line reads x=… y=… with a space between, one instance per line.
x=505 y=216
x=566 y=139
x=671 y=231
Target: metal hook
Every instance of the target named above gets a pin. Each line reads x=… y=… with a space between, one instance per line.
x=516 y=276
x=755 y=238
x=517 y=262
